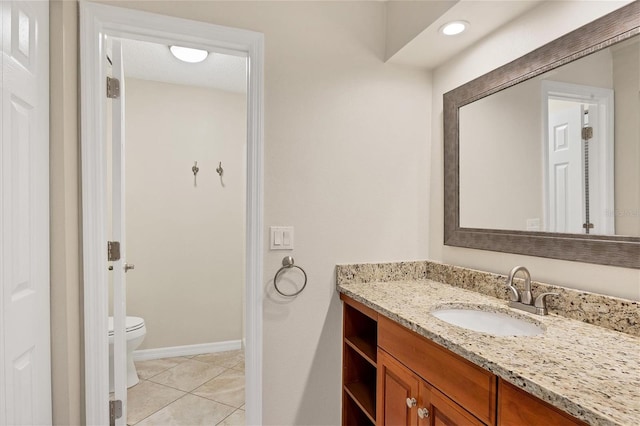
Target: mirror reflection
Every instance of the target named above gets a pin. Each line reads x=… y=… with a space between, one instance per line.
x=559 y=152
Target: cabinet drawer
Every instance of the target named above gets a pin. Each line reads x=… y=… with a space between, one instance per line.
x=469 y=385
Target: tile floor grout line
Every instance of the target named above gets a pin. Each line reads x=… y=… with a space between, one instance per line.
x=151 y=377
x=182 y=390
x=174 y=388
x=214 y=400
x=197 y=396
x=159 y=409
x=231 y=414
x=218 y=402
x=225 y=369
x=157 y=359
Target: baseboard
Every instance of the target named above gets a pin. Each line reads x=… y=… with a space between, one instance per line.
x=188 y=350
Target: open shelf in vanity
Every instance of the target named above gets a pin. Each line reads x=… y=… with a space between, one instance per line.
x=360 y=342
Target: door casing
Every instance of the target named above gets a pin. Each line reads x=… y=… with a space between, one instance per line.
x=96 y=22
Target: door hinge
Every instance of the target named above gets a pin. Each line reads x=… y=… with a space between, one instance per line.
x=587 y=133
x=113 y=251
x=113 y=88
x=115 y=411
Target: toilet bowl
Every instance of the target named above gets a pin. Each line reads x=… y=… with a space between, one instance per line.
x=135 y=333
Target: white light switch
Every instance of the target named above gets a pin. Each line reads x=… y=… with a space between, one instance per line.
x=281 y=237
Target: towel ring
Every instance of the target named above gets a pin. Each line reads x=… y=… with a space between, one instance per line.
x=287 y=263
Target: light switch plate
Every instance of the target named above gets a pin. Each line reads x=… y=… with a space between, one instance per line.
x=281 y=237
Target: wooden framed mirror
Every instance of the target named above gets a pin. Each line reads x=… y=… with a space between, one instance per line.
x=475 y=153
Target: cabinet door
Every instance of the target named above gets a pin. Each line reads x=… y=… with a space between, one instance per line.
x=397 y=393
x=435 y=409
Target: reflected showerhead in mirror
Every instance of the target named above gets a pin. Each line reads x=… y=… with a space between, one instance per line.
x=187 y=54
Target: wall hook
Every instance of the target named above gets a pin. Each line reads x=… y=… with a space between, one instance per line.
x=220 y=170
x=195 y=169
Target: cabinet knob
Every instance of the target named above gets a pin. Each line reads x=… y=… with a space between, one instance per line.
x=423 y=413
x=411 y=402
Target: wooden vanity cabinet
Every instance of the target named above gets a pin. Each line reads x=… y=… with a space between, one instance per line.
x=405 y=399
x=461 y=381
x=386 y=364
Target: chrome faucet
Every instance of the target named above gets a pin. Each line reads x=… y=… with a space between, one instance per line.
x=524 y=300
x=524 y=297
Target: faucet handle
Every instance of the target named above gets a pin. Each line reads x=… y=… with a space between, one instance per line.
x=541 y=303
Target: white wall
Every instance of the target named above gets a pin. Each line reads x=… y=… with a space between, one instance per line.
x=66 y=320
x=534 y=29
x=407 y=19
x=346 y=148
x=186 y=241
x=626 y=68
x=495 y=193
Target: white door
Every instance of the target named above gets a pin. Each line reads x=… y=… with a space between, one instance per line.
x=565 y=194
x=25 y=356
x=576 y=106
x=120 y=266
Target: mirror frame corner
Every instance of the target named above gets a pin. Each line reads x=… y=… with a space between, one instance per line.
x=622 y=251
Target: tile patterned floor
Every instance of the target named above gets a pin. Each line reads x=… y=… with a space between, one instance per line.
x=199 y=390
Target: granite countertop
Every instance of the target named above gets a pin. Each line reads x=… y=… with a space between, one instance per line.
x=590 y=372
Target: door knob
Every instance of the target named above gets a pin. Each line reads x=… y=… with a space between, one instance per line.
x=128 y=266
x=411 y=402
x=423 y=413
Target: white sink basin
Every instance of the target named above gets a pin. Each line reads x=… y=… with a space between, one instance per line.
x=495 y=323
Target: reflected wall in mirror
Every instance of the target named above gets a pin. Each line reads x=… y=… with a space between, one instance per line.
x=542 y=155
x=559 y=152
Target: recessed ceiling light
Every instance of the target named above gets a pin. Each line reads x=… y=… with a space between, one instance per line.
x=188 y=54
x=453 y=28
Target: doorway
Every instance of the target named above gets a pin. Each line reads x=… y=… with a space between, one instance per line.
x=184 y=197
x=98 y=23
x=578 y=158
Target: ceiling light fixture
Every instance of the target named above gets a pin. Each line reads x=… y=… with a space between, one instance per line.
x=187 y=54
x=453 y=28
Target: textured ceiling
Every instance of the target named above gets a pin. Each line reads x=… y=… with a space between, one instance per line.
x=152 y=61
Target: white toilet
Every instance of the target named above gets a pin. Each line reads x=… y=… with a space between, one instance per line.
x=136 y=331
